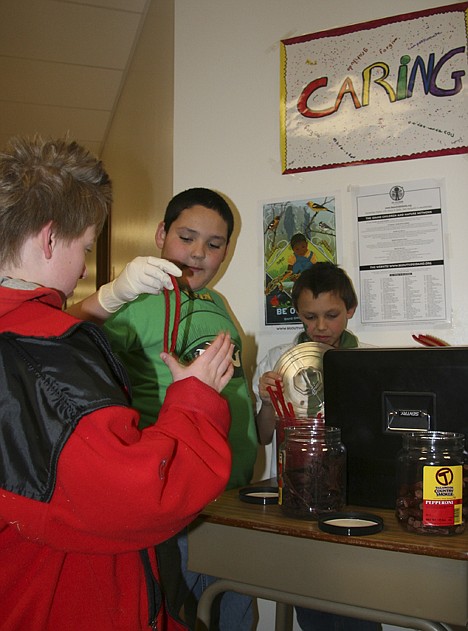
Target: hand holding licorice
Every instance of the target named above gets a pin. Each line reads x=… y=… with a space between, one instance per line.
x=266 y=381
x=284 y=409
x=143 y=275
x=213 y=367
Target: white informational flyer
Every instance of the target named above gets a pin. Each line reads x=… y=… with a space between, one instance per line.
x=402 y=267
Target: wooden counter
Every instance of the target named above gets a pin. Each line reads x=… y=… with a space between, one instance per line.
x=392 y=576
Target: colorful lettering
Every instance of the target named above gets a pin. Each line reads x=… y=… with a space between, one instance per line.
x=404 y=88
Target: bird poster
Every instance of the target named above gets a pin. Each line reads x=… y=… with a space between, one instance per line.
x=296 y=235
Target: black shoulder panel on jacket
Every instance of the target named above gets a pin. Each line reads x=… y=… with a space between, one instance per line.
x=46 y=386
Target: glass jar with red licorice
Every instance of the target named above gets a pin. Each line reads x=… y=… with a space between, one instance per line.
x=312 y=470
x=282 y=423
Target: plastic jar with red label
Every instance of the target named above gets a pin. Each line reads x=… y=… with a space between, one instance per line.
x=312 y=471
x=430 y=483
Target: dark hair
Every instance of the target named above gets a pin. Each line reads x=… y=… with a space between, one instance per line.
x=198 y=197
x=49 y=180
x=297 y=238
x=323 y=277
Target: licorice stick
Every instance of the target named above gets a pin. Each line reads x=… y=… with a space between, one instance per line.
x=281 y=401
x=175 y=328
x=287 y=408
x=274 y=400
x=429 y=340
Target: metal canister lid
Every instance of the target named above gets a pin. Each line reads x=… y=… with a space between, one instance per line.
x=259 y=494
x=301 y=369
x=352 y=524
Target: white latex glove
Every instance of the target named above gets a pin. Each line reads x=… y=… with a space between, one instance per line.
x=143 y=275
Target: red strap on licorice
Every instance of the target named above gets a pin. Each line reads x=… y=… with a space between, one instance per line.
x=175 y=328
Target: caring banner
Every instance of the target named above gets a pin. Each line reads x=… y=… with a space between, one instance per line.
x=390 y=89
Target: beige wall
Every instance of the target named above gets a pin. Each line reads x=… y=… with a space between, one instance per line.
x=139 y=150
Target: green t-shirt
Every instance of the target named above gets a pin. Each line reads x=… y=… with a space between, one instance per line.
x=136 y=333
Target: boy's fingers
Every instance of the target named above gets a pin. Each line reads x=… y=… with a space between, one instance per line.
x=226 y=376
x=171 y=362
x=227 y=361
x=218 y=350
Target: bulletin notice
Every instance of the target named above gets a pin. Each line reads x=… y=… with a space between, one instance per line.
x=402 y=267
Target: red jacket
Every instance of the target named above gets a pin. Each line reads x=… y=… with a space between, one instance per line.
x=73 y=562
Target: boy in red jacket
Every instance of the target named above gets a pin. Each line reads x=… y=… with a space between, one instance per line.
x=85 y=495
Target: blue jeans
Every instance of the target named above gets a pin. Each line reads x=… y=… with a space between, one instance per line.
x=311 y=620
x=230 y=612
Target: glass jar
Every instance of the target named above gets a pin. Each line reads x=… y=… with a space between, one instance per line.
x=282 y=423
x=312 y=471
x=430 y=483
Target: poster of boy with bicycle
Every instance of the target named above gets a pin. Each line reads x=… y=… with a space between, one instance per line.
x=296 y=235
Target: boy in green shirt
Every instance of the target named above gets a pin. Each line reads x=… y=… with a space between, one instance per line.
x=194 y=235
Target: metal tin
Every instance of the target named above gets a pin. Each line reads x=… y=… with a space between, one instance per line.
x=301 y=370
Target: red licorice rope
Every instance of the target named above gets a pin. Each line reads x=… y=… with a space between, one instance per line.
x=282 y=408
x=429 y=340
x=175 y=328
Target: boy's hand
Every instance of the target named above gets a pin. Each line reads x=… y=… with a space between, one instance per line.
x=143 y=275
x=268 y=379
x=214 y=366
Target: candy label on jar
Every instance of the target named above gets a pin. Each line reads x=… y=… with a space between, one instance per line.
x=442 y=495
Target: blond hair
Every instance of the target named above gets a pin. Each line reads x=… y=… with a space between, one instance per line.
x=49 y=180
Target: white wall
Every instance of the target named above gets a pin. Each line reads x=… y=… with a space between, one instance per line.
x=226 y=136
